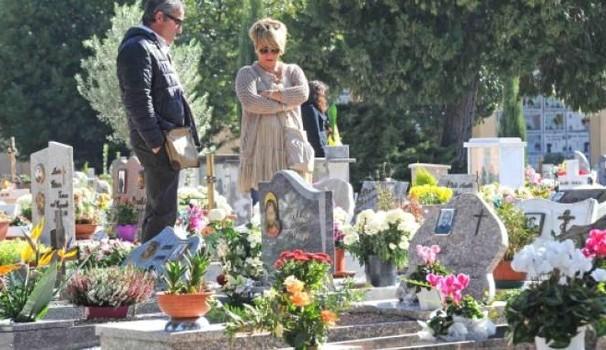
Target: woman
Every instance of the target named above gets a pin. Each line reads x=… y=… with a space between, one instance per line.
x=271 y=93
x=315 y=121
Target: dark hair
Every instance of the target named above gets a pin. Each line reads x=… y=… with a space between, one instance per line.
x=316 y=89
x=164 y=6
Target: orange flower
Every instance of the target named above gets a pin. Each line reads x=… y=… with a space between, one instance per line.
x=293 y=285
x=328 y=317
x=208 y=230
x=4 y=269
x=300 y=299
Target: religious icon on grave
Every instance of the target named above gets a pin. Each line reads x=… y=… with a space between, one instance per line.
x=122 y=181
x=273 y=226
x=39 y=173
x=150 y=250
x=445 y=219
x=141 y=180
x=40 y=202
x=535 y=220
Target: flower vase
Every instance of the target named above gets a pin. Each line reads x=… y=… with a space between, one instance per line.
x=127 y=232
x=576 y=343
x=85 y=231
x=379 y=273
x=429 y=299
x=505 y=277
x=340 y=264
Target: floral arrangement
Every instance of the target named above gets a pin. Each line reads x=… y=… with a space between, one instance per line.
x=25 y=205
x=88 y=206
x=124 y=212
x=460 y=317
x=430 y=266
x=104 y=253
x=430 y=194
x=384 y=234
x=538 y=187
x=299 y=307
x=193 y=219
x=112 y=286
x=199 y=196
x=568 y=292
x=239 y=250
x=520 y=230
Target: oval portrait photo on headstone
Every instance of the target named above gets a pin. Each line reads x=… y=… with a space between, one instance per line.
x=273 y=226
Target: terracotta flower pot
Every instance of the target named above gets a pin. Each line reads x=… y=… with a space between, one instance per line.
x=95 y=312
x=506 y=277
x=85 y=231
x=3 y=229
x=340 y=271
x=184 y=306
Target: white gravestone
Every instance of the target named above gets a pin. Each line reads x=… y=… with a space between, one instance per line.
x=52 y=171
x=342 y=193
x=555 y=217
x=472 y=240
x=294 y=215
x=573 y=179
x=496 y=159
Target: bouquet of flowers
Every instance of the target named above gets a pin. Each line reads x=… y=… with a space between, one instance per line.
x=103 y=253
x=193 y=219
x=299 y=307
x=460 y=317
x=430 y=266
x=568 y=292
x=384 y=234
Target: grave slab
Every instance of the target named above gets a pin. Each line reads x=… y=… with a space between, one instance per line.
x=557 y=217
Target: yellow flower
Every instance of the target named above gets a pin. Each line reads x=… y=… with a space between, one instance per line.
x=293 y=285
x=300 y=299
x=29 y=253
x=329 y=318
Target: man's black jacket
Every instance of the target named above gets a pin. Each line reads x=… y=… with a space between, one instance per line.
x=150 y=88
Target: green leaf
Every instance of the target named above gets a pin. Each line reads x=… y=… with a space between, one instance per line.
x=41 y=295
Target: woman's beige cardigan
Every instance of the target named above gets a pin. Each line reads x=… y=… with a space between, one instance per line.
x=261 y=139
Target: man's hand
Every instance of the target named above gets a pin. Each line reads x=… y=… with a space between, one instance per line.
x=156 y=150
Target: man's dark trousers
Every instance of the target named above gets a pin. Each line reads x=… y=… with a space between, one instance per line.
x=161 y=184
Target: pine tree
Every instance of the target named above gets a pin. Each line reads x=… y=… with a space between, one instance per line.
x=512 y=122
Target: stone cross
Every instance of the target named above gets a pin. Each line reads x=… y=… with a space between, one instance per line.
x=463 y=250
x=294 y=215
x=52 y=172
x=558 y=216
x=566 y=218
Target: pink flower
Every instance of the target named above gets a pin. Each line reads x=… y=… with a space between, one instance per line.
x=450 y=287
x=428 y=254
x=433 y=279
x=595 y=245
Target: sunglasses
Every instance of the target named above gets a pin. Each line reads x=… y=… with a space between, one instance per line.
x=266 y=50
x=177 y=21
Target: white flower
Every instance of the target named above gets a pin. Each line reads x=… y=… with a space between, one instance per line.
x=217 y=214
x=350 y=236
x=254 y=262
x=364 y=216
x=254 y=238
x=340 y=216
x=599 y=275
x=408 y=226
x=392 y=246
x=394 y=216
x=404 y=244
x=222 y=248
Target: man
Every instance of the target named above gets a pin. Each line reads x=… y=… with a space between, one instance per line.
x=155 y=103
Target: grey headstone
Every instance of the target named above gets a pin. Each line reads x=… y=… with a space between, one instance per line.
x=52 y=184
x=579 y=195
x=473 y=241
x=602 y=170
x=460 y=183
x=342 y=193
x=558 y=217
x=167 y=245
x=304 y=217
x=369 y=194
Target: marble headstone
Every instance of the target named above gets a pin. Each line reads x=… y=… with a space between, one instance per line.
x=52 y=188
x=342 y=193
x=303 y=219
x=557 y=217
x=166 y=246
x=472 y=239
x=368 y=197
x=460 y=183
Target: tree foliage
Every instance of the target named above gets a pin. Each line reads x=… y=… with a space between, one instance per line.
x=512 y=122
x=99 y=82
x=40 y=50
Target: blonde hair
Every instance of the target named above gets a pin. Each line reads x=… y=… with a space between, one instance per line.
x=268 y=32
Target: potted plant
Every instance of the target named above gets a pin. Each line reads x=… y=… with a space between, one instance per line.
x=566 y=295
x=341 y=218
x=379 y=240
x=299 y=308
x=87 y=214
x=125 y=216
x=461 y=317
x=108 y=292
x=186 y=297
x=104 y=253
x=428 y=297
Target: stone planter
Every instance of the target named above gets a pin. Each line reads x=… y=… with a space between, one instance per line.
x=429 y=299
x=85 y=231
x=96 y=312
x=576 y=343
x=505 y=277
x=127 y=232
x=379 y=273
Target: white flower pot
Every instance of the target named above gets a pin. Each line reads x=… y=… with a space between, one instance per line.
x=429 y=299
x=576 y=343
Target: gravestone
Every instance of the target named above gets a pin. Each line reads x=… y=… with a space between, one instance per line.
x=128 y=181
x=369 y=194
x=342 y=193
x=558 y=217
x=583 y=162
x=460 y=183
x=437 y=170
x=10 y=196
x=497 y=159
x=579 y=195
x=472 y=241
x=167 y=245
x=294 y=215
x=52 y=172
x=579 y=233
x=573 y=179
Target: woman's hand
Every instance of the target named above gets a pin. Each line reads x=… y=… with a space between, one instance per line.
x=275 y=95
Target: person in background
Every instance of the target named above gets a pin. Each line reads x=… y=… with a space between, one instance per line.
x=271 y=93
x=155 y=103
x=314 y=117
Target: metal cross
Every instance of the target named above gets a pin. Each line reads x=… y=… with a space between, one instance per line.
x=479 y=216
x=566 y=218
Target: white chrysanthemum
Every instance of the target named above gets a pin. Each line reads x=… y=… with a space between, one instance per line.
x=340 y=216
x=254 y=238
x=254 y=262
x=364 y=216
x=350 y=236
x=394 y=216
x=409 y=226
x=392 y=246
x=404 y=244
x=376 y=224
x=217 y=214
